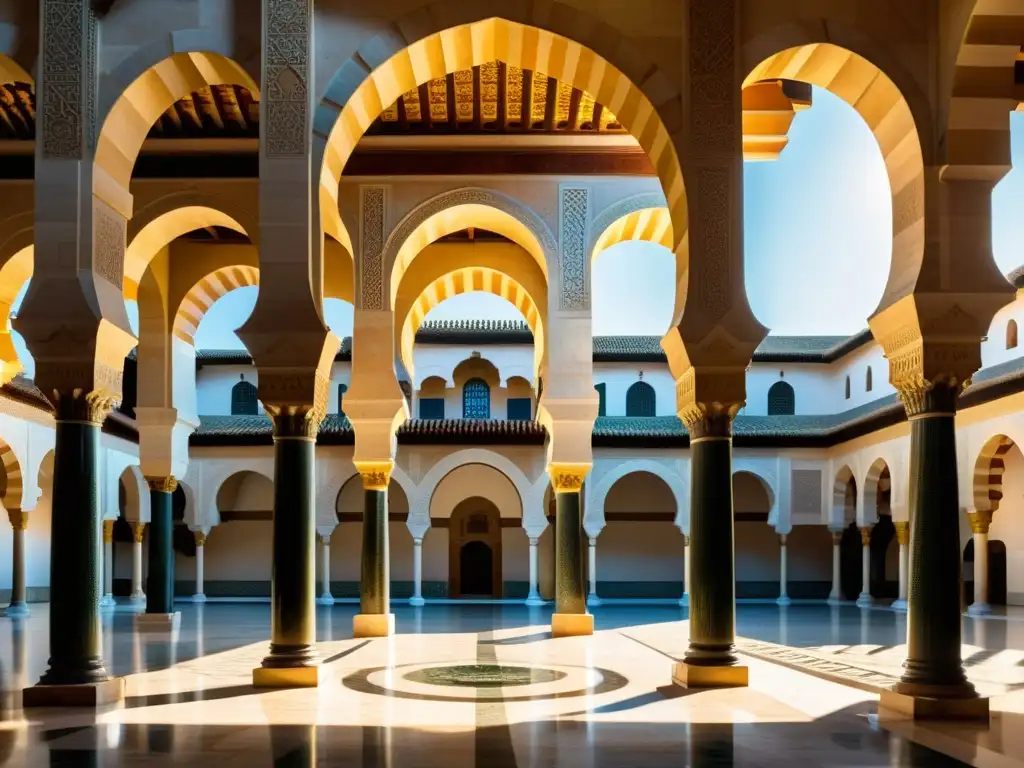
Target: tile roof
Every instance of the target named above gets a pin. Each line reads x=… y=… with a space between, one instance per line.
x=23 y=389
x=474 y=332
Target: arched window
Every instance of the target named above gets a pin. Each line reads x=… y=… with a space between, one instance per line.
x=342 y=389
x=640 y=400
x=1011 y=334
x=867 y=380
x=601 y=406
x=781 y=399
x=244 y=401
x=476 y=400
x=847 y=386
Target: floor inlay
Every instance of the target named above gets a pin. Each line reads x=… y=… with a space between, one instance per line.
x=484 y=676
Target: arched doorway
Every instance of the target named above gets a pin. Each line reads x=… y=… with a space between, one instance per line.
x=474 y=549
x=844 y=502
x=997 y=577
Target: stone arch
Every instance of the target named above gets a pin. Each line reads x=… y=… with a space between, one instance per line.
x=192 y=514
x=844 y=497
x=15 y=272
x=877 y=482
x=327 y=494
x=11 y=71
x=205 y=293
x=628 y=221
x=497 y=461
x=230 y=476
x=490 y=492
x=988 y=473
x=594 y=512
x=886 y=110
x=468 y=280
x=136 y=488
x=766 y=485
x=391 y=63
x=130 y=116
x=457 y=209
x=12 y=490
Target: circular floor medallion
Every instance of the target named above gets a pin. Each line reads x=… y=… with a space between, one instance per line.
x=484 y=676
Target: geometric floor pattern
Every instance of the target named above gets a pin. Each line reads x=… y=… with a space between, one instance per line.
x=479 y=685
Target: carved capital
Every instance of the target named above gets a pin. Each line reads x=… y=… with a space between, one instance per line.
x=709 y=420
x=200 y=538
x=376 y=474
x=79 y=405
x=162 y=484
x=19 y=519
x=325 y=539
x=837 y=538
x=568 y=478
x=295 y=421
x=865 y=535
x=902 y=532
x=782 y=540
x=138 y=530
x=980 y=521
x=108 y=531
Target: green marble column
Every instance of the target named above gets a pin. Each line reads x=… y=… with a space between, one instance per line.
x=160 y=578
x=570 y=588
x=374 y=618
x=933 y=667
x=75 y=564
x=292 y=659
x=18 y=606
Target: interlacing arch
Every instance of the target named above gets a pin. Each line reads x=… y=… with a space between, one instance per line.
x=467 y=45
x=978 y=135
x=205 y=293
x=878 y=100
x=988 y=473
x=11 y=492
x=653 y=225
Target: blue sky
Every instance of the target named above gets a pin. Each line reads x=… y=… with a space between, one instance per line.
x=816 y=244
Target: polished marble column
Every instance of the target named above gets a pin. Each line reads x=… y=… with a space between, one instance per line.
x=375 y=618
x=160 y=614
x=933 y=683
x=570 y=616
x=76 y=675
x=417 y=573
x=592 y=598
x=684 y=601
x=107 y=603
x=864 y=598
x=293 y=661
x=903 y=537
x=836 y=595
x=200 y=593
x=18 y=606
x=710 y=660
x=138 y=598
x=326 y=598
x=534 y=598
x=783 y=577
x=980 y=522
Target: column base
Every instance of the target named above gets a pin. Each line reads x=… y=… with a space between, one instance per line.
x=157 y=622
x=199 y=598
x=107 y=604
x=904 y=706
x=327 y=599
x=593 y=600
x=899 y=605
x=417 y=602
x=864 y=600
x=979 y=609
x=535 y=601
x=286 y=677
x=18 y=610
x=373 y=625
x=783 y=600
x=93 y=695
x=694 y=676
x=684 y=601
x=835 y=600
x=572 y=624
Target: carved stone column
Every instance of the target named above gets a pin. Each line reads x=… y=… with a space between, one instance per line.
x=836 y=595
x=200 y=594
x=709 y=660
x=107 y=603
x=980 y=522
x=18 y=606
x=160 y=613
x=903 y=537
x=864 y=599
x=138 y=598
x=684 y=601
x=325 y=598
x=375 y=618
x=533 y=597
x=783 y=576
x=417 y=600
x=592 y=598
x=570 y=616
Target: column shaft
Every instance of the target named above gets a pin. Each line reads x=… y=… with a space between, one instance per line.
x=200 y=593
x=160 y=579
x=375 y=577
x=933 y=666
x=783 y=576
x=533 y=598
x=417 y=572
x=19 y=593
x=138 y=532
x=592 y=598
x=293 y=579
x=836 y=595
x=570 y=591
x=74 y=558
x=326 y=598
x=980 y=522
x=864 y=599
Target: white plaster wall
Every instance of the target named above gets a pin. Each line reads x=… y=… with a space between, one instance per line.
x=757 y=552
x=993 y=349
x=240 y=550
x=475 y=480
x=184 y=388
x=442 y=359
x=341 y=373
x=435 y=555
x=619 y=377
x=515 y=555
x=37 y=545
x=213 y=387
x=812 y=384
x=855 y=365
x=637 y=550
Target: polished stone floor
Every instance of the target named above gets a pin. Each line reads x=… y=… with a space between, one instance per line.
x=486 y=685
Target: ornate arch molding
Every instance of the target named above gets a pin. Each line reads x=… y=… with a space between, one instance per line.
x=14 y=486
x=594 y=514
x=194 y=197
x=872 y=486
x=327 y=494
x=463 y=196
x=436 y=474
x=15 y=65
x=616 y=211
x=987 y=485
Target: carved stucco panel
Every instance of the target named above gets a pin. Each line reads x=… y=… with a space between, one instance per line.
x=573 y=263
x=371 y=252
x=286 y=42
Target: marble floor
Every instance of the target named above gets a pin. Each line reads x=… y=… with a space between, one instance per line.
x=486 y=685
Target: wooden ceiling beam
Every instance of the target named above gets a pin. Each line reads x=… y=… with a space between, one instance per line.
x=218 y=111
x=574 y=109
x=478 y=105
x=425 y=116
x=596 y=121
x=403 y=117
x=502 y=96
x=551 y=105
x=526 y=111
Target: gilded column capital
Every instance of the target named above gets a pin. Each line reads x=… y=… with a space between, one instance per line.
x=686 y=541
x=865 y=535
x=782 y=539
x=837 y=538
x=568 y=478
x=376 y=474
x=902 y=532
x=19 y=519
x=296 y=422
x=108 y=531
x=980 y=520
x=709 y=421
x=78 y=405
x=162 y=484
x=325 y=539
x=200 y=538
x=138 y=530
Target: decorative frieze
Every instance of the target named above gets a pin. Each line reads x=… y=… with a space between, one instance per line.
x=162 y=484
x=573 y=263
x=138 y=531
x=18 y=518
x=376 y=474
x=68 y=79
x=286 y=49
x=865 y=535
x=371 y=251
x=980 y=521
x=568 y=478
